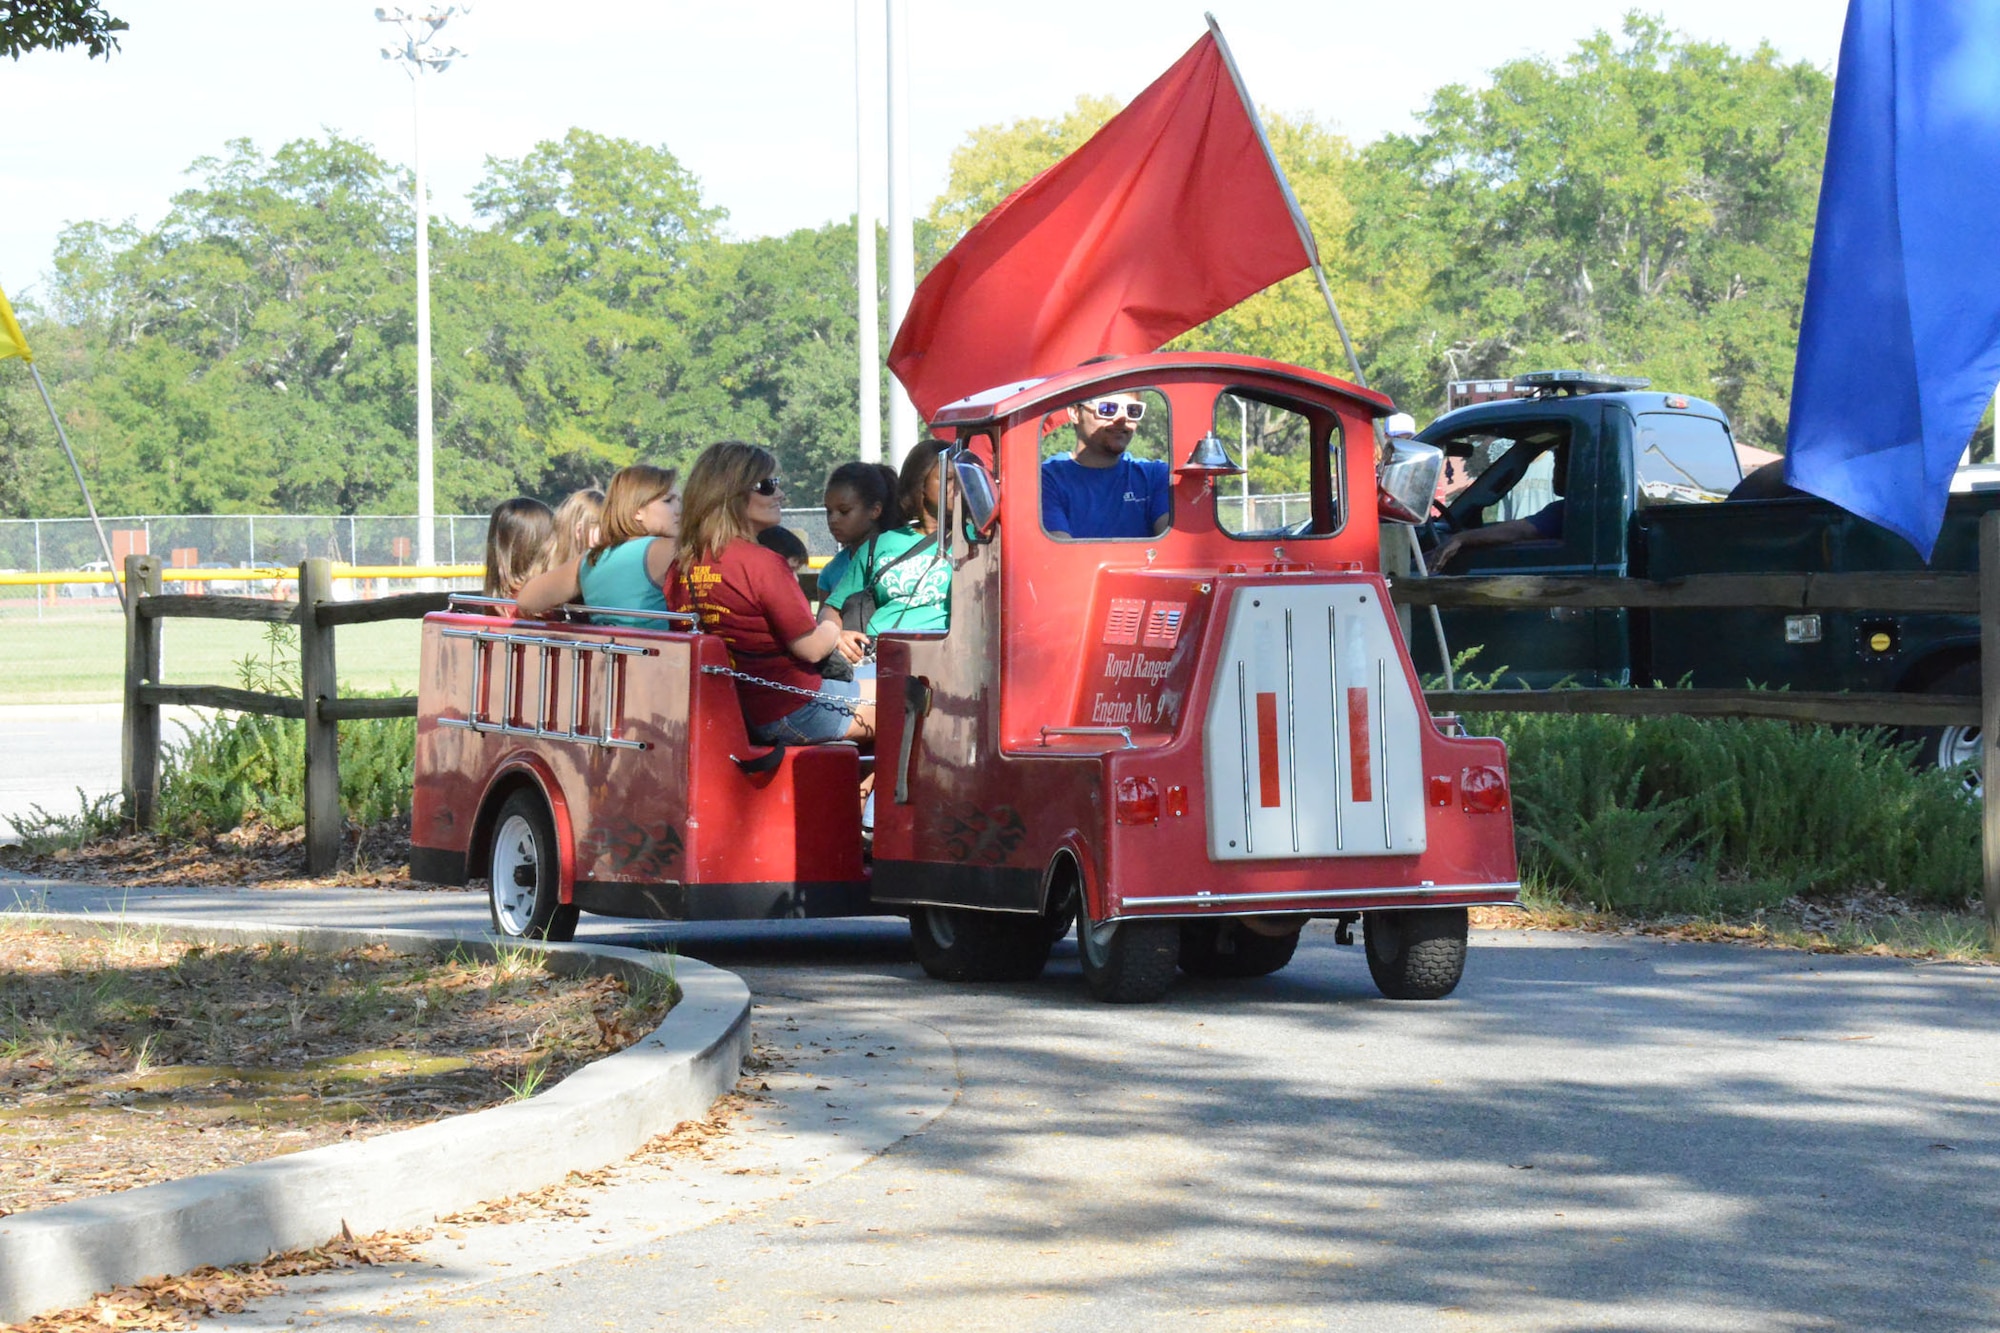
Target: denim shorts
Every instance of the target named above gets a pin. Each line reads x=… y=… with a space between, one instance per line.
x=812 y=724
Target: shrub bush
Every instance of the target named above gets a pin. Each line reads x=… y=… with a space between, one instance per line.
x=1685 y=814
x=242 y=768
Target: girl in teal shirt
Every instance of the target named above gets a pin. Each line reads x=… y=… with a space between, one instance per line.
x=627 y=567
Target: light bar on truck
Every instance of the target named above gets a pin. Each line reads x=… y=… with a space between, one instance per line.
x=1549 y=383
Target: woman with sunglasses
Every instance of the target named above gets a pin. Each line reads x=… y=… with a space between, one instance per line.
x=748 y=595
x=903 y=569
x=628 y=559
x=1099 y=491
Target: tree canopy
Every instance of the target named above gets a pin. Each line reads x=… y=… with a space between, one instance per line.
x=1642 y=205
x=55 y=25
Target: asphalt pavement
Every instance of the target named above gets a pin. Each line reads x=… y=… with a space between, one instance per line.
x=52 y=753
x=1594 y=1132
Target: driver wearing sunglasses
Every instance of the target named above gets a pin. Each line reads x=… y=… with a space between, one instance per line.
x=1099 y=491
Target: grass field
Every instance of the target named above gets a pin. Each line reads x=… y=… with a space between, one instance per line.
x=79 y=656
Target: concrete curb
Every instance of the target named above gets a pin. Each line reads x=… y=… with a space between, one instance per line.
x=60 y=1256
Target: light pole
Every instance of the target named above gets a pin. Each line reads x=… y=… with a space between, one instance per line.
x=419 y=53
x=902 y=244
x=868 y=118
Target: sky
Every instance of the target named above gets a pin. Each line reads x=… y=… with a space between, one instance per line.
x=755 y=97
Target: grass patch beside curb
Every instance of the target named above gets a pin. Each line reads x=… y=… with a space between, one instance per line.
x=128 y=1058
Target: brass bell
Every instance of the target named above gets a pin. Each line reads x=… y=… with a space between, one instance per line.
x=1208 y=459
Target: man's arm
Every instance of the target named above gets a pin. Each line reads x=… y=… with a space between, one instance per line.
x=1493 y=534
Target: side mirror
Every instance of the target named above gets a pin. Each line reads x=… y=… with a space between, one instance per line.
x=982 y=503
x=1407 y=481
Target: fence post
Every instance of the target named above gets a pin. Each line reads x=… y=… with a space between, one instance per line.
x=139 y=745
x=1989 y=714
x=316 y=679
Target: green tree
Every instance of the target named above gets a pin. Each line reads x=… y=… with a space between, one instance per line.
x=1645 y=205
x=55 y=25
x=996 y=160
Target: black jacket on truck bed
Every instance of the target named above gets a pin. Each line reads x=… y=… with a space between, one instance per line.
x=1634 y=484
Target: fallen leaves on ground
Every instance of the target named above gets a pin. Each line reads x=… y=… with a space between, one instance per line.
x=132 y=1059
x=374 y=857
x=175 y=1302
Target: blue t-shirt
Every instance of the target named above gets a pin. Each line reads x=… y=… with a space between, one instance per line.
x=618 y=578
x=1127 y=499
x=829 y=574
x=1548 y=522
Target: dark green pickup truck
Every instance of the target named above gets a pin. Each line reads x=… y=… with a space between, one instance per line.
x=1624 y=482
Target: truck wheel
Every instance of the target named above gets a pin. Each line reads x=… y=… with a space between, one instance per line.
x=524 y=869
x=1128 y=962
x=960 y=944
x=1951 y=748
x=1226 y=949
x=1416 y=954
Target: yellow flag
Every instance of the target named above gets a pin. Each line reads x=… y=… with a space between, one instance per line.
x=12 y=343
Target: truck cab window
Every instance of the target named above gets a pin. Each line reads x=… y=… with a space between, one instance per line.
x=1107 y=468
x=1506 y=474
x=1684 y=459
x=1274 y=496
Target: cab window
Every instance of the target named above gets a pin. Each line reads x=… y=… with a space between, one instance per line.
x=1275 y=495
x=1499 y=474
x=1107 y=468
x=1683 y=458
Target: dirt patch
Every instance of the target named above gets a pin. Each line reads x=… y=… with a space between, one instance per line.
x=130 y=1059
x=1864 y=922
x=253 y=856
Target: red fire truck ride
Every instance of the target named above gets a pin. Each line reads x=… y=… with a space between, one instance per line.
x=1189 y=743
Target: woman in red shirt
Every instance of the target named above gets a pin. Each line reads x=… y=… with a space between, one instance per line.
x=748 y=595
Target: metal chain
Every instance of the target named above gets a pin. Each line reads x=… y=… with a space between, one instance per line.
x=840 y=702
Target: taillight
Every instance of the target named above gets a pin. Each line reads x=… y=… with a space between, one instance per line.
x=1483 y=789
x=1137 y=801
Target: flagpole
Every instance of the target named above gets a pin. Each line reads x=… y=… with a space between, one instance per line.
x=88 y=503
x=1291 y=200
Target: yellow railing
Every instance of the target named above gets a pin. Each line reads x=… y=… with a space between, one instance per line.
x=248 y=575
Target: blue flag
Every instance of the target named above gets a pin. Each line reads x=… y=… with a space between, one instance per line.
x=1899 y=347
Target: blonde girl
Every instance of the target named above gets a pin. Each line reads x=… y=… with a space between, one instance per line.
x=625 y=567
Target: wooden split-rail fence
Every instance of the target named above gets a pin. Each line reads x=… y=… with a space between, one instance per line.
x=319 y=704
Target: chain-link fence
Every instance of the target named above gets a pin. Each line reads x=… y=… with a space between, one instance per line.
x=235 y=541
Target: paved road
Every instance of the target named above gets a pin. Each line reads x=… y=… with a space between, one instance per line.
x=1593 y=1133
x=50 y=751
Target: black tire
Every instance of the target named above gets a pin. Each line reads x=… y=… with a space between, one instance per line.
x=1953 y=748
x=1228 y=948
x=961 y=944
x=1128 y=962
x=523 y=870
x=1417 y=954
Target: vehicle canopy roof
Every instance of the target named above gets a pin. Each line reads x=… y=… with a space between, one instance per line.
x=1059 y=390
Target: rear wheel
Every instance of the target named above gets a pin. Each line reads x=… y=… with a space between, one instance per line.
x=524 y=870
x=960 y=944
x=1957 y=748
x=1127 y=962
x=1228 y=948
x=1417 y=954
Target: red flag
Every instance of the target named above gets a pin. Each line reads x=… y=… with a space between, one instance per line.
x=1171 y=214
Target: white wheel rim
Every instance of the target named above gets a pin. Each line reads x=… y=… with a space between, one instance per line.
x=1959 y=747
x=942 y=928
x=513 y=849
